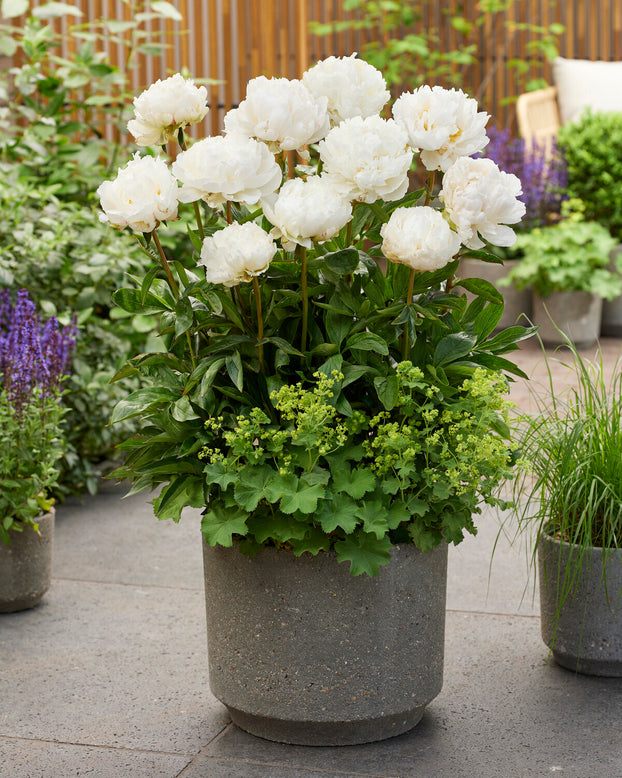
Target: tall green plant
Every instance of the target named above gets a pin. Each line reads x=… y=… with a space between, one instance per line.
x=410 y=52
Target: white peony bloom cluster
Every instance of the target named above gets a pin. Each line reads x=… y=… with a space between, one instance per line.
x=166 y=106
x=444 y=124
x=306 y=211
x=420 y=238
x=480 y=198
x=353 y=87
x=281 y=112
x=237 y=253
x=143 y=194
x=367 y=158
x=234 y=168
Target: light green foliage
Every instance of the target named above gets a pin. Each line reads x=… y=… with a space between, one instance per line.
x=591 y=148
x=405 y=44
x=31 y=445
x=571 y=255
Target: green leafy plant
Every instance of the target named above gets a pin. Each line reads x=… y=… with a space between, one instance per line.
x=589 y=147
x=306 y=398
x=571 y=255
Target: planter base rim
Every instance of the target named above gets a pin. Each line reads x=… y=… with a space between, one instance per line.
x=21 y=603
x=326 y=733
x=601 y=667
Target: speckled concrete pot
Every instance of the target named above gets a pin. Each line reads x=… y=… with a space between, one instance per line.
x=302 y=652
x=26 y=566
x=517 y=302
x=585 y=634
x=577 y=314
x=611 y=323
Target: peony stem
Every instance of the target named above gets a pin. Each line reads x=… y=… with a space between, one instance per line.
x=257 y=293
x=197 y=214
x=430 y=186
x=305 y=297
x=409 y=297
x=228 y=211
x=165 y=265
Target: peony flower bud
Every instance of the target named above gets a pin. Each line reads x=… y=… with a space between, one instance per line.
x=480 y=198
x=420 y=238
x=166 y=106
x=232 y=168
x=367 y=158
x=143 y=194
x=353 y=87
x=237 y=253
x=443 y=123
x=281 y=112
x=307 y=211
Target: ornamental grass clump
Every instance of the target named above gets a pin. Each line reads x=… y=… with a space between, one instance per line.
x=306 y=398
x=34 y=359
x=569 y=483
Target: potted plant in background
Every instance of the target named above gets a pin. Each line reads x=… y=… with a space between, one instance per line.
x=542 y=172
x=590 y=146
x=338 y=426
x=570 y=493
x=566 y=265
x=34 y=358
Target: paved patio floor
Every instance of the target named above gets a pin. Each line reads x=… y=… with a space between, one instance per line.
x=108 y=676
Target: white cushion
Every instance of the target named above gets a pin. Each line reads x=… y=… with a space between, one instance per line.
x=584 y=83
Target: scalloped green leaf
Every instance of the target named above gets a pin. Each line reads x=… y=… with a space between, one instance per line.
x=219 y=525
x=366 y=553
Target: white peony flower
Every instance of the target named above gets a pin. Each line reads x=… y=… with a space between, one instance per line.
x=281 y=112
x=420 y=238
x=480 y=198
x=234 y=168
x=143 y=194
x=306 y=211
x=237 y=253
x=367 y=158
x=353 y=87
x=443 y=123
x=165 y=107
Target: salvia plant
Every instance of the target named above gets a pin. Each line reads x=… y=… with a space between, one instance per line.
x=541 y=169
x=324 y=385
x=34 y=359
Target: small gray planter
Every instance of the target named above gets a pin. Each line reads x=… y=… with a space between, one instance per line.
x=585 y=633
x=611 y=324
x=26 y=566
x=302 y=652
x=517 y=303
x=576 y=314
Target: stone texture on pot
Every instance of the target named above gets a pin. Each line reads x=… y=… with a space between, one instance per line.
x=611 y=324
x=516 y=302
x=585 y=634
x=26 y=566
x=577 y=314
x=302 y=652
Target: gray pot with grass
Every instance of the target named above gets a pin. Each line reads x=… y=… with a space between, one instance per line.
x=576 y=315
x=569 y=494
x=580 y=606
x=301 y=651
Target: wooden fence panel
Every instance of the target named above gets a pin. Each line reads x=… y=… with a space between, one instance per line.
x=232 y=41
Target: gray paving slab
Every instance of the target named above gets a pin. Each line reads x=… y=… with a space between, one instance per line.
x=109 y=665
x=22 y=758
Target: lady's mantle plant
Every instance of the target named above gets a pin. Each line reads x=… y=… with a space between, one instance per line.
x=34 y=358
x=306 y=397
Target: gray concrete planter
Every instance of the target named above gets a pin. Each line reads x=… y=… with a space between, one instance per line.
x=611 y=324
x=517 y=303
x=302 y=652
x=577 y=314
x=26 y=566
x=585 y=632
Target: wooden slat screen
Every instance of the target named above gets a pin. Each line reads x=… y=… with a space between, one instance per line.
x=232 y=41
